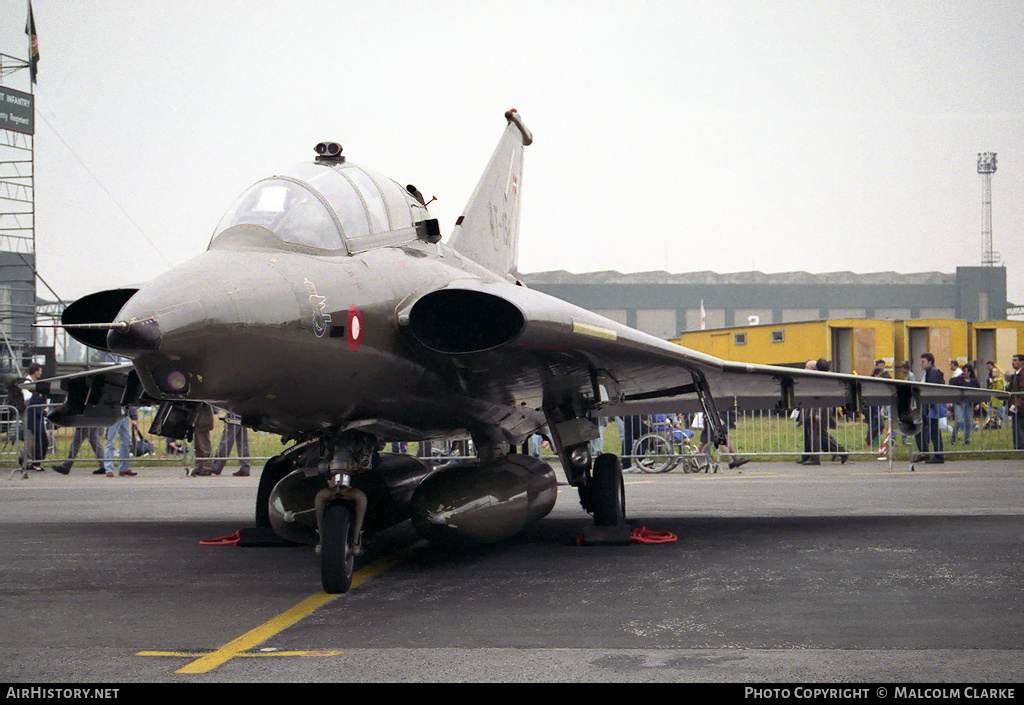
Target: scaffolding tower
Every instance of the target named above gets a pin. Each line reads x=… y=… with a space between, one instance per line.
x=17 y=219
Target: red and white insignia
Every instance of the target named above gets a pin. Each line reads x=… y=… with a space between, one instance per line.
x=354 y=328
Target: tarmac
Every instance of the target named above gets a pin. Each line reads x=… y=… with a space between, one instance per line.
x=778 y=573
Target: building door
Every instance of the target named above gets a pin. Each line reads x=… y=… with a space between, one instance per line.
x=917 y=343
x=853 y=350
x=720 y=345
x=842 y=350
x=1006 y=347
x=864 y=350
x=984 y=347
x=940 y=345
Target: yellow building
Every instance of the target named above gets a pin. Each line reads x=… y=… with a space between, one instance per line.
x=850 y=345
x=853 y=345
x=998 y=341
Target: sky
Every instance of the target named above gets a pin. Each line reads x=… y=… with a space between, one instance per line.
x=726 y=135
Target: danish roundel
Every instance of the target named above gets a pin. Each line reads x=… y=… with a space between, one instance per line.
x=355 y=327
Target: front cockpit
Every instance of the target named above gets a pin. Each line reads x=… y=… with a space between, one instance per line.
x=330 y=206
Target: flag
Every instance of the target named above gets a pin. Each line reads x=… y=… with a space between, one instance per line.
x=33 y=43
x=703 y=319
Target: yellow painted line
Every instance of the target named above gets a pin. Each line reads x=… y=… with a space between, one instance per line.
x=258 y=635
x=751 y=476
x=248 y=654
x=900 y=471
x=181 y=654
x=238 y=646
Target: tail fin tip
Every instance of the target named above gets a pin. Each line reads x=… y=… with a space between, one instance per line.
x=513 y=117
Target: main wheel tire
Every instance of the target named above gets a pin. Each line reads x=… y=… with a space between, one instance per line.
x=654 y=454
x=337 y=562
x=608 y=491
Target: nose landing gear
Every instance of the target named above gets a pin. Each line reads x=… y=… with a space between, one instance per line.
x=341 y=508
x=337 y=542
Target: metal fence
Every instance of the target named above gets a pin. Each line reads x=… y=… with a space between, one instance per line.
x=869 y=434
x=758 y=435
x=63 y=447
x=11 y=438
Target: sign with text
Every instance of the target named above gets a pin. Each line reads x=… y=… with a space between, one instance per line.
x=16 y=111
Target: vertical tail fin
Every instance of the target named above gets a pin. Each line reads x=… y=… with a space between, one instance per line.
x=488 y=229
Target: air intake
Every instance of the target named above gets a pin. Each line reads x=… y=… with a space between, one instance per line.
x=101 y=307
x=460 y=321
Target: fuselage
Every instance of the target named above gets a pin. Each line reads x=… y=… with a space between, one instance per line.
x=296 y=341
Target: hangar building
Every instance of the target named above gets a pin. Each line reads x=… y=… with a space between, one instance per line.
x=665 y=304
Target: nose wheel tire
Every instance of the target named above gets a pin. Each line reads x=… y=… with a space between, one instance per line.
x=337 y=560
x=608 y=491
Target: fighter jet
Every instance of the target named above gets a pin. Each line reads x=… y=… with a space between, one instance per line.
x=327 y=309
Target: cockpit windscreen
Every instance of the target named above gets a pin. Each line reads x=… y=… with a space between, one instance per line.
x=289 y=210
x=329 y=207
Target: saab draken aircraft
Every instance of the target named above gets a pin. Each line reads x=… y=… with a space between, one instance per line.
x=327 y=309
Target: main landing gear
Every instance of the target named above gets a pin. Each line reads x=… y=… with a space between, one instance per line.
x=603 y=494
x=599 y=481
x=607 y=491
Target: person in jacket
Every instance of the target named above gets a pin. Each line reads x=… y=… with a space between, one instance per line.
x=963 y=412
x=1015 y=404
x=121 y=433
x=996 y=405
x=930 y=436
x=36 y=441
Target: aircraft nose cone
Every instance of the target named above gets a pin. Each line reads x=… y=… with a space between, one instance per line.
x=130 y=339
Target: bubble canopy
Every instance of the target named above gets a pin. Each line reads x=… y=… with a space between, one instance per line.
x=330 y=207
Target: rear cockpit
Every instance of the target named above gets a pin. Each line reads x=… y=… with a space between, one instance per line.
x=330 y=205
